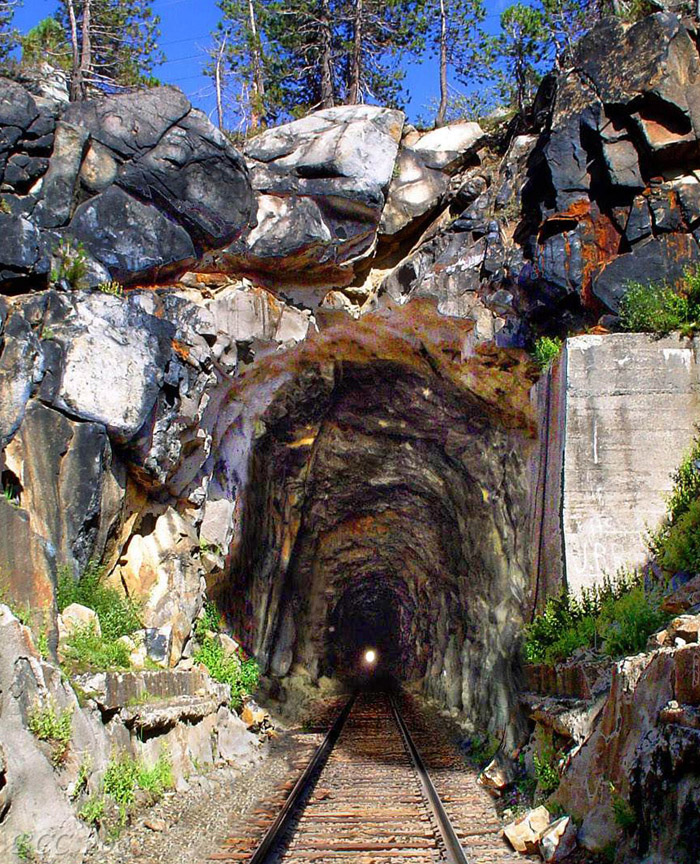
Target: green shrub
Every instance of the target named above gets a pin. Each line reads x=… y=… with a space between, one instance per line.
x=482 y=748
x=81 y=782
x=116 y=289
x=124 y=775
x=24 y=848
x=119 y=615
x=546 y=349
x=55 y=727
x=70 y=265
x=659 y=308
x=85 y=649
x=210 y=621
x=617 y=616
x=676 y=543
x=241 y=675
x=158 y=777
x=93 y=810
x=120 y=782
x=546 y=772
x=624 y=815
x=626 y=623
x=680 y=549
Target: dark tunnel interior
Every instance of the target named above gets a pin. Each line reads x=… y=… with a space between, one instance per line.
x=383 y=509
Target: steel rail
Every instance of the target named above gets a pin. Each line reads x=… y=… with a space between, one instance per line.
x=272 y=836
x=453 y=848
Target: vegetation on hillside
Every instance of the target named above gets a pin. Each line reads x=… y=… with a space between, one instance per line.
x=659 y=308
x=118 y=616
x=675 y=545
x=546 y=349
x=239 y=673
x=616 y=618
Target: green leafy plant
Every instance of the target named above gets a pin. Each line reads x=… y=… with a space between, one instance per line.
x=624 y=815
x=24 y=847
x=546 y=772
x=124 y=775
x=482 y=747
x=659 y=308
x=676 y=543
x=546 y=349
x=616 y=617
x=116 y=289
x=627 y=622
x=55 y=727
x=70 y=265
x=42 y=644
x=5 y=207
x=119 y=615
x=210 y=619
x=242 y=675
x=93 y=810
x=120 y=782
x=86 y=649
x=84 y=770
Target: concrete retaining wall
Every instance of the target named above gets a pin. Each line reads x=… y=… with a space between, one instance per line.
x=626 y=407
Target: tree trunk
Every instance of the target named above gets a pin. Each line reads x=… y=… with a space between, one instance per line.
x=75 y=82
x=356 y=61
x=258 y=88
x=442 y=109
x=327 y=89
x=86 y=52
x=217 y=82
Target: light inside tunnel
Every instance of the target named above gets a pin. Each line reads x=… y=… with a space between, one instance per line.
x=370 y=656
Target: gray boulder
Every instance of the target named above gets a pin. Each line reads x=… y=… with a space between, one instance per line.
x=195 y=176
x=129 y=238
x=131 y=123
x=322 y=182
x=111 y=361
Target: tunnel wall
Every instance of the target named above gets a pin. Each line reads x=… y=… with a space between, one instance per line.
x=617 y=414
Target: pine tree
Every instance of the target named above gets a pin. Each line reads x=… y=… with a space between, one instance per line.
x=239 y=54
x=452 y=33
x=306 y=54
x=113 y=43
x=521 y=47
x=46 y=43
x=379 y=34
x=8 y=36
x=566 y=21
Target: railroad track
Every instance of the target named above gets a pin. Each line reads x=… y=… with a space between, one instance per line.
x=367 y=797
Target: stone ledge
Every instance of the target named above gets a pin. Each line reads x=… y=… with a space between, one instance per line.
x=114 y=690
x=574 y=680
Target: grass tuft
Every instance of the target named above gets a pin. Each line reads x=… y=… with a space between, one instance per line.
x=55 y=727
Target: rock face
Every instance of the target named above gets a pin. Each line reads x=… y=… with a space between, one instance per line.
x=321 y=185
x=139 y=714
x=143 y=181
x=612 y=188
x=641 y=753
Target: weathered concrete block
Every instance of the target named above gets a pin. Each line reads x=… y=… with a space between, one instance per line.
x=632 y=402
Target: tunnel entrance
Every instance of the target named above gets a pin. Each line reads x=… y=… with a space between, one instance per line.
x=373 y=616
x=384 y=505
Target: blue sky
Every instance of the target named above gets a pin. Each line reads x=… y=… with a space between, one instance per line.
x=185 y=27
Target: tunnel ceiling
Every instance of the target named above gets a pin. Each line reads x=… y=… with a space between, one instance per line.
x=384 y=505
